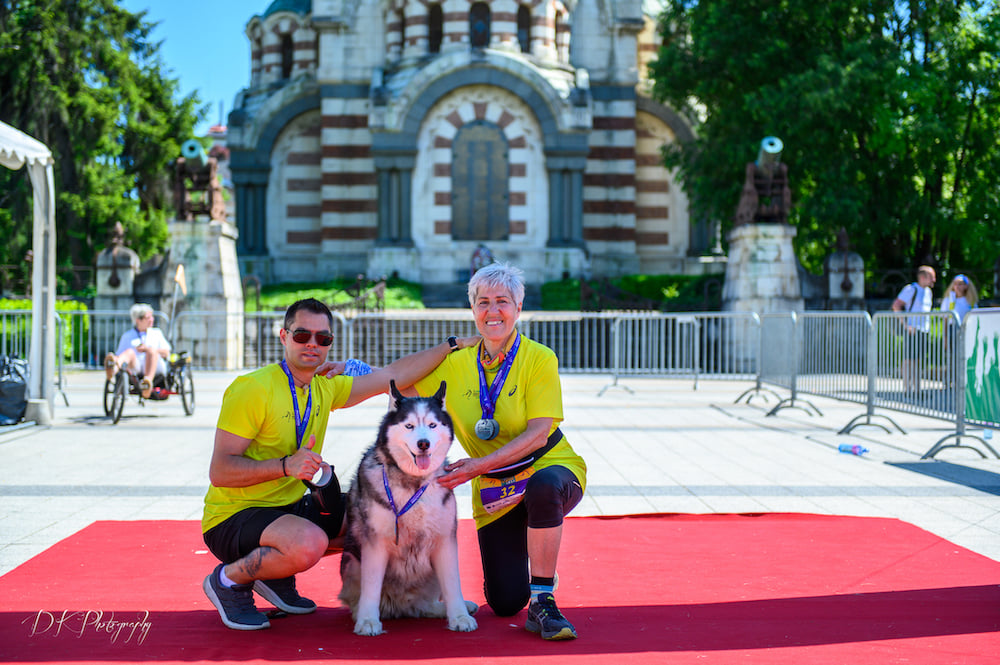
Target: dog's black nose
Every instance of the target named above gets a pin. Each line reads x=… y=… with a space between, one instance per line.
x=423 y=444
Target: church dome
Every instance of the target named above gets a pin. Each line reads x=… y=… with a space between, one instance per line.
x=300 y=7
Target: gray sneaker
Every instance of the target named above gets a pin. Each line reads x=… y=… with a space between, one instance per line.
x=235 y=604
x=545 y=618
x=283 y=595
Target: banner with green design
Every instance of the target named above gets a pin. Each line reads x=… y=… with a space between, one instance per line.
x=982 y=363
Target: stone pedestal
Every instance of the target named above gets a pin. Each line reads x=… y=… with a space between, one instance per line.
x=117 y=267
x=214 y=336
x=762 y=273
x=761 y=276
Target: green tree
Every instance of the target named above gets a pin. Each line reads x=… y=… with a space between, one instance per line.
x=889 y=112
x=83 y=77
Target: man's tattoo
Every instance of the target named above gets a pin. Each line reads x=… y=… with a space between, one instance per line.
x=253 y=562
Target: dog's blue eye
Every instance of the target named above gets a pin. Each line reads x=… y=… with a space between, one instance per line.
x=432 y=425
x=408 y=426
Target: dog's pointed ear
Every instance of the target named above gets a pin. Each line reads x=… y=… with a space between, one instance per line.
x=397 y=396
x=439 y=395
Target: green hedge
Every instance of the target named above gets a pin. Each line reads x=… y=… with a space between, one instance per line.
x=399 y=294
x=675 y=293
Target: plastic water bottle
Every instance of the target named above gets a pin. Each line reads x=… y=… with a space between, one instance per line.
x=852 y=448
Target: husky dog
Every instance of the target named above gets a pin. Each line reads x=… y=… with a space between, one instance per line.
x=400 y=550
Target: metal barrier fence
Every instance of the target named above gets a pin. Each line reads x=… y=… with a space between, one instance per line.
x=818 y=353
x=86 y=336
x=238 y=340
x=977 y=379
x=718 y=345
x=15 y=332
x=916 y=359
x=905 y=362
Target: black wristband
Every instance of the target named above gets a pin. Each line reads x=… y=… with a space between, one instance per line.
x=284 y=473
x=452 y=344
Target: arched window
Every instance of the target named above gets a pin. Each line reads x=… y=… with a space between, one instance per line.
x=435 y=28
x=287 y=56
x=479 y=25
x=524 y=28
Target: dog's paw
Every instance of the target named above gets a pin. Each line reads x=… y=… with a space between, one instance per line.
x=368 y=627
x=462 y=624
x=471 y=607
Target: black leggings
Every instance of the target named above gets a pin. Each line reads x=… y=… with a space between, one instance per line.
x=503 y=545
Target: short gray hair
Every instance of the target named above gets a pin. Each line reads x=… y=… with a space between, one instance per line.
x=498 y=275
x=139 y=310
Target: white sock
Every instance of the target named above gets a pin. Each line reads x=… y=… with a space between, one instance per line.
x=226 y=582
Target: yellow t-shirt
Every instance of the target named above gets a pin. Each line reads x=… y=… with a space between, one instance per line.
x=532 y=390
x=258 y=406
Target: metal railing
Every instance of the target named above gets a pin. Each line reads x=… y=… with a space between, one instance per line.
x=902 y=362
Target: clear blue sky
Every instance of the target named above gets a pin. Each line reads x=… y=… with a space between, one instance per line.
x=203 y=46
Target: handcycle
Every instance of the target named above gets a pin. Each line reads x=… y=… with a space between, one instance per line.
x=177 y=381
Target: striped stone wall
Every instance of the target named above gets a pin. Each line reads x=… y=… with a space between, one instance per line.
x=266 y=51
x=663 y=231
x=295 y=190
x=609 y=213
x=407 y=28
x=647 y=49
x=350 y=194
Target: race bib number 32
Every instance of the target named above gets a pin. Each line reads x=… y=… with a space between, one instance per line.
x=498 y=493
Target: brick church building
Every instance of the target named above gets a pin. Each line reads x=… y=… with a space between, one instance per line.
x=396 y=136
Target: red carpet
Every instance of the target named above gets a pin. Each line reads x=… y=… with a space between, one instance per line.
x=643 y=589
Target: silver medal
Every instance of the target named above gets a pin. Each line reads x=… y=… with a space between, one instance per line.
x=487 y=428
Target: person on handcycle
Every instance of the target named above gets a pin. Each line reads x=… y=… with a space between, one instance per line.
x=143 y=349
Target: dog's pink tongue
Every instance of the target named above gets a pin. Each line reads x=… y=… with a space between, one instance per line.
x=423 y=462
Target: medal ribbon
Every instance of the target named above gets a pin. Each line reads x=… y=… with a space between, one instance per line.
x=488 y=396
x=409 y=504
x=301 y=422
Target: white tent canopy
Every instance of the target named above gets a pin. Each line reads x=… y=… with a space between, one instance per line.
x=17 y=149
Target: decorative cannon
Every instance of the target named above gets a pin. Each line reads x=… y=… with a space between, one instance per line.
x=770 y=153
x=197 y=190
x=194 y=154
x=766 y=198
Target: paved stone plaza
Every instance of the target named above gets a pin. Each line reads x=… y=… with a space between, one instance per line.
x=651 y=445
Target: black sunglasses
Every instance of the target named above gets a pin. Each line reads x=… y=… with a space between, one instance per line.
x=302 y=336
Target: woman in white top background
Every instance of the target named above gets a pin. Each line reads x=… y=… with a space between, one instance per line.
x=959 y=297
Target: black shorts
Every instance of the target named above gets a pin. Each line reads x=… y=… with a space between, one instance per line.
x=240 y=534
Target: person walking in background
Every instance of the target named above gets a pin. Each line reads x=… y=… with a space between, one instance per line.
x=915 y=297
x=960 y=297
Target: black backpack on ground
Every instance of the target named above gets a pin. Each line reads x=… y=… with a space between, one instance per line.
x=13 y=389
